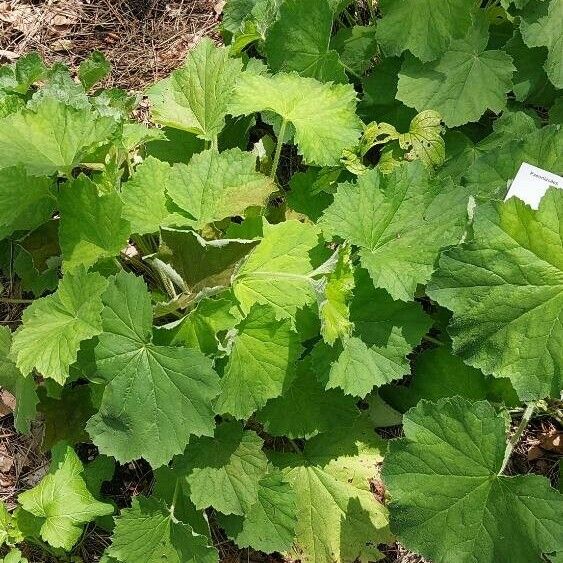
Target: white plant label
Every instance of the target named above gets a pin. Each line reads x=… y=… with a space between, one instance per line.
x=531 y=183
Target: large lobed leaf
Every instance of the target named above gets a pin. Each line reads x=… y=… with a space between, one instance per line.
x=153 y=391
x=505 y=288
x=450 y=500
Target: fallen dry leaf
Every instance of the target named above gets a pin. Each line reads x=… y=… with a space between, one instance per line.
x=553 y=442
x=6 y=460
x=8 y=55
x=7 y=403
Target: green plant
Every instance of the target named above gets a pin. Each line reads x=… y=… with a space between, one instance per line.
x=309 y=242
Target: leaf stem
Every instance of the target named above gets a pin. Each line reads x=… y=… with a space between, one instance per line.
x=279 y=145
x=174 y=501
x=517 y=435
x=15 y=301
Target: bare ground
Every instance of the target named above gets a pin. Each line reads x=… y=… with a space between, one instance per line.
x=143 y=39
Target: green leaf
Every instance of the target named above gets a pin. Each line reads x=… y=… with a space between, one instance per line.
x=530 y=80
x=261 y=363
x=357 y=46
x=145 y=203
x=92 y=69
x=225 y=471
x=276 y=272
x=438 y=374
x=148 y=532
x=338 y=518
x=200 y=327
x=195 y=97
x=25 y=201
x=465 y=82
x=152 y=390
x=386 y=332
x=91 y=225
x=424 y=139
x=450 y=499
x=65 y=417
x=305 y=198
x=61 y=501
x=306 y=409
x=505 y=288
x=201 y=263
x=54 y=326
x=300 y=41
x=323 y=115
x=171 y=487
x=269 y=525
x=333 y=305
x=542 y=26
x=9 y=532
x=215 y=185
x=52 y=137
x=28 y=70
x=23 y=388
x=424 y=27
x=59 y=85
x=388 y=215
x=492 y=171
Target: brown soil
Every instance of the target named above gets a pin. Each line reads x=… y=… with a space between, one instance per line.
x=143 y=39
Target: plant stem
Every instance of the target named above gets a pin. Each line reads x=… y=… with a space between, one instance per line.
x=278 y=149
x=295 y=446
x=15 y=301
x=517 y=434
x=174 y=501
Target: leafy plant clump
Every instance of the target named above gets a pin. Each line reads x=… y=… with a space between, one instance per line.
x=309 y=243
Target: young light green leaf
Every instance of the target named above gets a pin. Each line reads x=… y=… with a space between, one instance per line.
x=424 y=139
x=338 y=518
x=53 y=327
x=300 y=41
x=145 y=203
x=269 y=525
x=333 y=304
x=148 y=532
x=52 y=137
x=91 y=225
x=323 y=115
x=261 y=363
x=195 y=97
x=542 y=26
x=465 y=82
x=388 y=215
x=424 y=27
x=216 y=185
x=9 y=532
x=276 y=271
x=151 y=389
x=450 y=500
x=225 y=471
x=505 y=288
x=61 y=502
x=386 y=332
